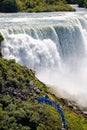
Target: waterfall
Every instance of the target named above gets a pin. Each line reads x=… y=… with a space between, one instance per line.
x=54 y=46
x=32 y=47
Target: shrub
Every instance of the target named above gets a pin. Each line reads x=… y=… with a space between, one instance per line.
x=8 y=6
x=1 y=38
x=12 y=82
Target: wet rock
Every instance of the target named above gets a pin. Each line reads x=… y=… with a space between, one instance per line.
x=37 y=90
x=74 y=108
x=14 y=93
x=63 y=129
x=31 y=83
x=30 y=94
x=85 y=114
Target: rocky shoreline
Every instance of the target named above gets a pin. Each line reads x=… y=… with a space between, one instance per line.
x=82 y=111
x=71 y=104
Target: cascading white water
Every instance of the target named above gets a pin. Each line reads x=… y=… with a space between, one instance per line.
x=53 y=44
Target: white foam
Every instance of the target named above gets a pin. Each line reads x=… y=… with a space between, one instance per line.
x=55 y=46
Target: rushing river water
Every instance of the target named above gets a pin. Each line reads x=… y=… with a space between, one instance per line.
x=53 y=44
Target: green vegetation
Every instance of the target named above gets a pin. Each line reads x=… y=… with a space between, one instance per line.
x=39 y=5
x=34 y=5
x=8 y=6
x=85 y=3
x=16 y=76
x=16 y=114
x=72 y=1
x=81 y=3
x=1 y=39
x=19 y=108
x=74 y=121
x=46 y=6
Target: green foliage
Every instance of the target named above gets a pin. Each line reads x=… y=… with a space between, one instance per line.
x=1 y=112
x=26 y=115
x=49 y=1
x=12 y=82
x=34 y=5
x=39 y=5
x=1 y=38
x=81 y=3
x=0 y=53
x=30 y=4
x=72 y=1
x=8 y=6
x=75 y=122
x=85 y=3
x=13 y=76
x=5 y=100
x=46 y=6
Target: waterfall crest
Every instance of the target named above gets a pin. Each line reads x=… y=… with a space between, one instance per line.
x=55 y=46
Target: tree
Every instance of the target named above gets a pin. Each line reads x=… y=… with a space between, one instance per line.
x=85 y=3
x=49 y=1
x=8 y=6
x=81 y=3
x=72 y=1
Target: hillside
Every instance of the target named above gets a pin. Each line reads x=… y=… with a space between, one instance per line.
x=19 y=107
x=34 y=6
x=19 y=91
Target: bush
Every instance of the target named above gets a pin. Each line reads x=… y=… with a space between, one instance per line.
x=46 y=5
x=0 y=53
x=1 y=110
x=12 y=82
x=1 y=38
x=8 y=6
x=19 y=115
x=85 y=3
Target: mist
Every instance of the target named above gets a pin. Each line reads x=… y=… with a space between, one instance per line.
x=52 y=44
x=70 y=85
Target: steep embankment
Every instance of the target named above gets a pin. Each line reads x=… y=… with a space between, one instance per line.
x=19 y=109
x=19 y=91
